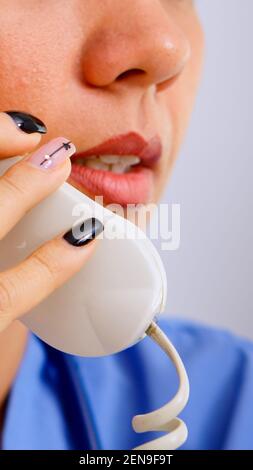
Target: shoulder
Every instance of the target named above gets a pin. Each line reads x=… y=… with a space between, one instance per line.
x=194 y=337
x=203 y=346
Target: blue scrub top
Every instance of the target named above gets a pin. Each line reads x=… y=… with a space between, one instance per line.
x=59 y=401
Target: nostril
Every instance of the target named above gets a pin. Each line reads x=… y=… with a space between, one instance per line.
x=129 y=73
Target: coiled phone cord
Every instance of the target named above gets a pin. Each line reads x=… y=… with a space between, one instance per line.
x=165 y=418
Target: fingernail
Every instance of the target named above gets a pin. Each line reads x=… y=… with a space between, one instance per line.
x=84 y=233
x=52 y=154
x=27 y=122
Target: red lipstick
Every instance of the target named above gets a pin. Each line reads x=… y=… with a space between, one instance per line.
x=133 y=187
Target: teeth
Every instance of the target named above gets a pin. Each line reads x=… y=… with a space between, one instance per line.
x=109 y=159
x=131 y=160
x=96 y=164
x=114 y=163
x=119 y=168
x=114 y=159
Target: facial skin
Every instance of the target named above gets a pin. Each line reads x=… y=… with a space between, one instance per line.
x=82 y=66
x=97 y=68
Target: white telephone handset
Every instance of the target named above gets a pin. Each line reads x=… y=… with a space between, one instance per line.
x=110 y=304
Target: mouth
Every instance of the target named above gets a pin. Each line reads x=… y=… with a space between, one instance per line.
x=121 y=169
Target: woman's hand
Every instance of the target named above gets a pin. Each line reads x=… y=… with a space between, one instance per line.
x=23 y=186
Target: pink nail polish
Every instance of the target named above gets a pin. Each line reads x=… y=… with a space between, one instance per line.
x=52 y=154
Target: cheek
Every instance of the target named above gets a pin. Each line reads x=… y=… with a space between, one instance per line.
x=20 y=73
x=180 y=98
x=35 y=61
x=23 y=72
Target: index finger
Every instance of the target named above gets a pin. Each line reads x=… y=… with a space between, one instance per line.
x=20 y=133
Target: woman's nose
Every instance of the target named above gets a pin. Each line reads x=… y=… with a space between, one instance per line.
x=137 y=42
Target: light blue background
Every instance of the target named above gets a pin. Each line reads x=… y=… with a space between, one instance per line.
x=210 y=277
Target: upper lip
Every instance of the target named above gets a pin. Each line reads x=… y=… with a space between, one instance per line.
x=149 y=151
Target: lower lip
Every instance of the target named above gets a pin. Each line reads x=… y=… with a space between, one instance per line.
x=134 y=187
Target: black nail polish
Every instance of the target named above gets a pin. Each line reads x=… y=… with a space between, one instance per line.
x=84 y=232
x=27 y=122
